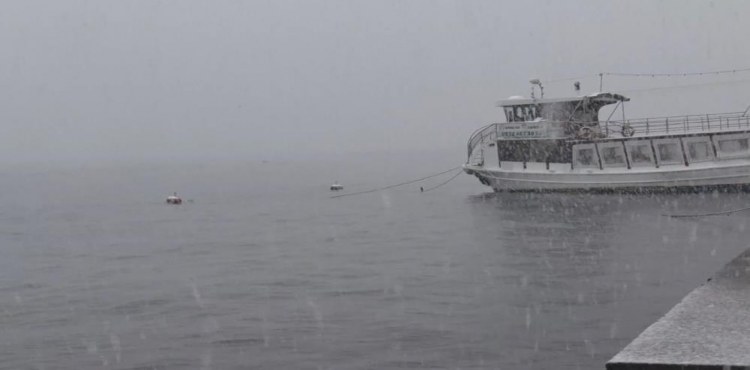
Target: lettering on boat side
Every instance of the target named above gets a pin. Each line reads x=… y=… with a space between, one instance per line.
x=521 y=134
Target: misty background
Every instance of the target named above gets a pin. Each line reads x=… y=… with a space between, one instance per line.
x=251 y=109
x=93 y=81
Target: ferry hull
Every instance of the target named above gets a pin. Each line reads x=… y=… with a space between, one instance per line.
x=730 y=177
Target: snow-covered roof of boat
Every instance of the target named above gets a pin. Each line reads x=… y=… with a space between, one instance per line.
x=599 y=96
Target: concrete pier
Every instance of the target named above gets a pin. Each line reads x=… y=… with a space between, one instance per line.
x=708 y=329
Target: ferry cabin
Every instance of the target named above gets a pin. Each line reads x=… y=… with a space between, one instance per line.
x=551 y=143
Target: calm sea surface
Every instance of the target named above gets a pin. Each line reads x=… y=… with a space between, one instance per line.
x=263 y=270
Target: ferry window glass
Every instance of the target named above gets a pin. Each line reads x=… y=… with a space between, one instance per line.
x=553 y=151
x=530 y=113
x=586 y=157
x=640 y=154
x=699 y=151
x=733 y=145
x=669 y=152
x=512 y=150
x=613 y=156
x=521 y=115
x=509 y=116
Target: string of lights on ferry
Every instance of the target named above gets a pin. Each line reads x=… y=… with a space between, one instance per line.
x=684 y=86
x=656 y=75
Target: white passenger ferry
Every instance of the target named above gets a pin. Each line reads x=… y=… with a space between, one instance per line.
x=560 y=144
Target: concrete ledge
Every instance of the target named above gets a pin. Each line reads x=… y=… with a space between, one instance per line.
x=709 y=329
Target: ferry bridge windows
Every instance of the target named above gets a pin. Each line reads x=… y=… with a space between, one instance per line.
x=668 y=151
x=698 y=149
x=732 y=146
x=521 y=113
x=612 y=154
x=639 y=153
x=510 y=116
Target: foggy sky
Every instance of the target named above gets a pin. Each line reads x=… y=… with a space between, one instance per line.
x=124 y=80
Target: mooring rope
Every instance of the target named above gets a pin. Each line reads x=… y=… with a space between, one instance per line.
x=400 y=184
x=447 y=181
x=711 y=214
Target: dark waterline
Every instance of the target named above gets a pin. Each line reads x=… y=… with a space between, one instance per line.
x=263 y=270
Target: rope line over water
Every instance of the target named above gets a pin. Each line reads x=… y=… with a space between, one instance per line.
x=447 y=181
x=400 y=184
x=712 y=214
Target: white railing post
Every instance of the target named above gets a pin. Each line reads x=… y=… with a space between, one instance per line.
x=686 y=124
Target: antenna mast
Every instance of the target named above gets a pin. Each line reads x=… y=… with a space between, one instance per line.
x=535 y=82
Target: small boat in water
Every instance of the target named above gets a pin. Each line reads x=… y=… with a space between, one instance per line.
x=336 y=186
x=560 y=144
x=174 y=199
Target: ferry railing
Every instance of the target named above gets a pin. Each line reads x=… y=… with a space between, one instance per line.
x=480 y=136
x=688 y=124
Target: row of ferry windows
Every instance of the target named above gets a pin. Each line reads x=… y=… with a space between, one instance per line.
x=630 y=152
x=666 y=151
